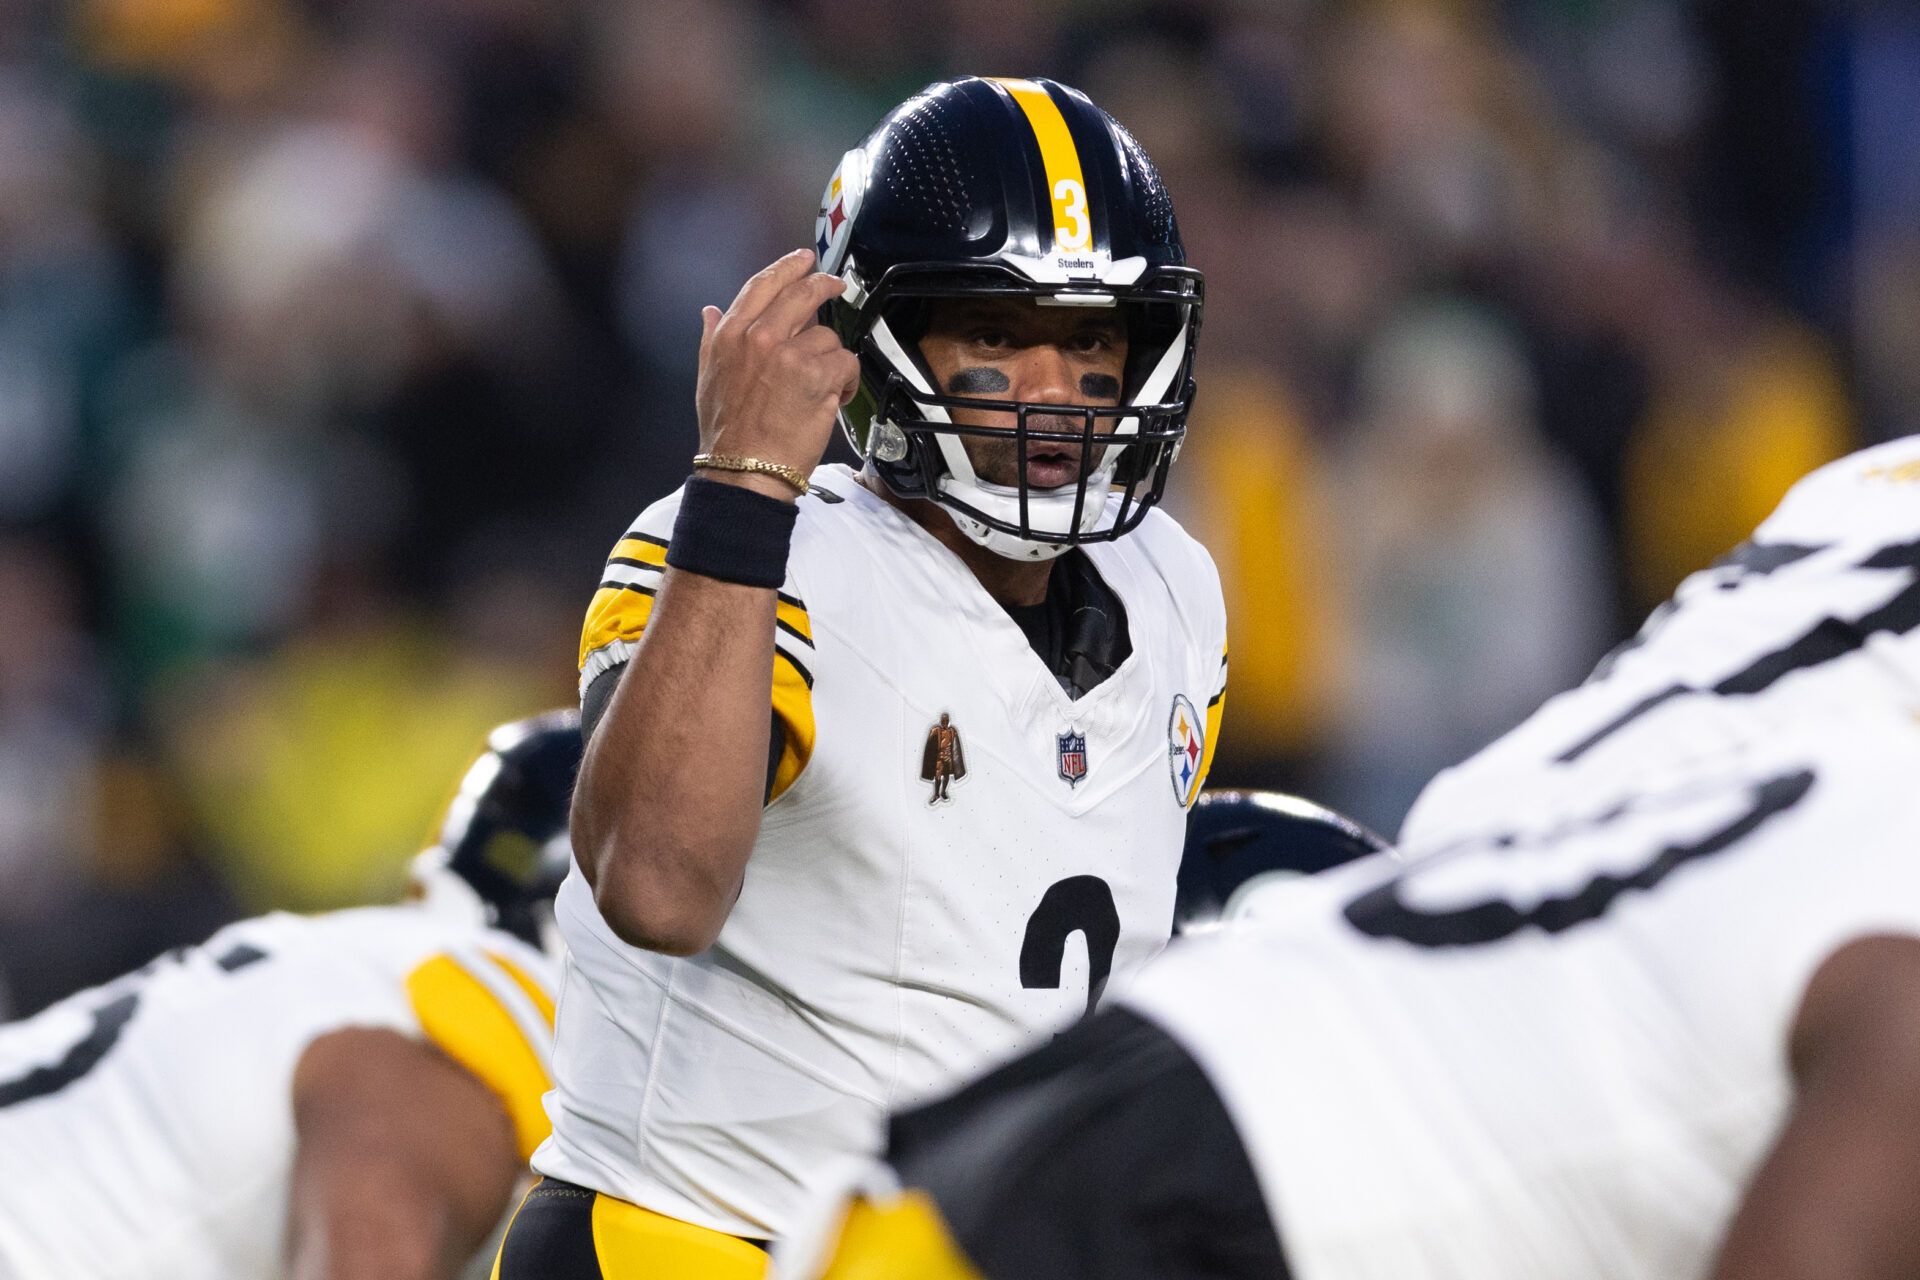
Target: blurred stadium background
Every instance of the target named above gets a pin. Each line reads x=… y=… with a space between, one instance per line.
x=339 y=339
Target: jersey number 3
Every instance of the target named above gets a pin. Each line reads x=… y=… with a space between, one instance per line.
x=1078 y=904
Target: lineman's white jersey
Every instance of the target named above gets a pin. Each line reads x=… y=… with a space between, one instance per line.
x=1815 y=614
x=884 y=945
x=146 y=1126
x=1557 y=1048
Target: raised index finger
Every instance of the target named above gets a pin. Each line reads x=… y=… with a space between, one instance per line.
x=757 y=292
x=793 y=308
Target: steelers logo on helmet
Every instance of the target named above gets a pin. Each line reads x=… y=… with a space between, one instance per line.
x=1023 y=190
x=839 y=204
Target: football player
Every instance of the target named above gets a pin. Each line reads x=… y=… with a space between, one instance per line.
x=1647 y=1010
x=888 y=768
x=344 y=1095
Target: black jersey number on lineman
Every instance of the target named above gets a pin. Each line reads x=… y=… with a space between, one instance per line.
x=109 y=1020
x=1384 y=912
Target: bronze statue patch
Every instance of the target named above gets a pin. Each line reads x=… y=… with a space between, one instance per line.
x=942 y=761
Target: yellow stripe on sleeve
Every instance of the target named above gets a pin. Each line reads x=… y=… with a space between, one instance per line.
x=1215 y=708
x=640 y=549
x=793 y=703
x=536 y=994
x=795 y=616
x=1066 y=184
x=616 y=614
x=467 y=1022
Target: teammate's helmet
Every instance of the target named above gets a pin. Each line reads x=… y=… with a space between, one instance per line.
x=1023 y=189
x=1236 y=837
x=503 y=843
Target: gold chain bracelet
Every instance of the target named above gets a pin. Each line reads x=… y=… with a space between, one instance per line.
x=760 y=466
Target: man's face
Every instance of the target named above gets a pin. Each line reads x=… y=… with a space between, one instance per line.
x=1016 y=349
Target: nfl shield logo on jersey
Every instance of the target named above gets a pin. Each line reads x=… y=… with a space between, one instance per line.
x=1186 y=743
x=1073 y=757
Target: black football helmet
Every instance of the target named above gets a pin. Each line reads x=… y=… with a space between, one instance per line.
x=1024 y=189
x=504 y=837
x=1234 y=837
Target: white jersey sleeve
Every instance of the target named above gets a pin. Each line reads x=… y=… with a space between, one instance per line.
x=964 y=858
x=146 y=1126
x=1820 y=609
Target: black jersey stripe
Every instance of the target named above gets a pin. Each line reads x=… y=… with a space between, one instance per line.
x=1828 y=640
x=1621 y=721
x=637 y=536
x=634 y=587
x=109 y=1020
x=1389 y=912
x=239 y=956
x=795 y=601
x=631 y=563
x=1763 y=558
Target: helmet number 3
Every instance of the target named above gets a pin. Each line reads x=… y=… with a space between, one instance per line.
x=1072 y=229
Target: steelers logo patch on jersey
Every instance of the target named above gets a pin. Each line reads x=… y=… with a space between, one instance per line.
x=1186 y=748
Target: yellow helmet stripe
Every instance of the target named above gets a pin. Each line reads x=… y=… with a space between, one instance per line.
x=1072 y=222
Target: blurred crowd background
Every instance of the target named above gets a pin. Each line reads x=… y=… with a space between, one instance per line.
x=340 y=338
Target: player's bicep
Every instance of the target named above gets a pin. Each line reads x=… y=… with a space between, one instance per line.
x=593 y=705
x=403 y=1160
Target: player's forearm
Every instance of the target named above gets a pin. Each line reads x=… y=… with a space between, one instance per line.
x=668 y=803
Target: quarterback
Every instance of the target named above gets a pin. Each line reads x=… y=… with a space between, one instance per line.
x=887 y=769
x=1645 y=1006
x=320 y=1097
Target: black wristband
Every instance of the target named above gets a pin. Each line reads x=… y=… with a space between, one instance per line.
x=732 y=533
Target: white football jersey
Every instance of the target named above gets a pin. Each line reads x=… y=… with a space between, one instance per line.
x=146 y=1126
x=1819 y=611
x=886 y=943
x=1556 y=1048
x=1554 y=1043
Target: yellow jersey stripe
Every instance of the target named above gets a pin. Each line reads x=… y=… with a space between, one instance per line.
x=617 y=613
x=904 y=1238
x=631 y=1241
x=793 y=703
x=643 y=549
x=535 y=993
x=795 y=616
x=469 y=1024
x=1066 y=184
x=1215 y=709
